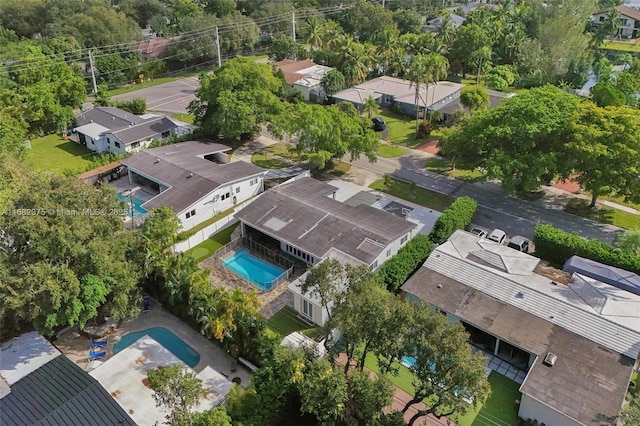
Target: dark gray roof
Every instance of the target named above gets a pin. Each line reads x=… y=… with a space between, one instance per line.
x=301 y=214
x=109 y=117
x=586 y=381
x=495 y=99
x=611 y=275
x=182 y=167
x=146 y=130
x=60 y=393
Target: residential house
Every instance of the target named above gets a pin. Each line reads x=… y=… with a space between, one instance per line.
x=449 y=109
x=391 y=91
x=41 y=386
x=305 y=76
x=194 y=179
x=303 y=219
x=629 y=20
x=110 y=129
x=153 y=47
x=435 y=23
x=571 y=341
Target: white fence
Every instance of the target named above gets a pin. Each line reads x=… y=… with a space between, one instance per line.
x=210 y=230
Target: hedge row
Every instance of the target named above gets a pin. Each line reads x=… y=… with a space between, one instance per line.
x=557 y=246
x=459 y=215
x=395 y=271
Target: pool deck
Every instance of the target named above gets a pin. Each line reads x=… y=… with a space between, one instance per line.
x=75 y=346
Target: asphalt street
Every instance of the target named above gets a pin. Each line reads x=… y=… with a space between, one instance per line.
x=170 y=98
x=495 y=210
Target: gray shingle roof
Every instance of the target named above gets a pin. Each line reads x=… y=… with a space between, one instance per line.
x=301 y=214
x=145 y=130
x=60 y=393
x=182 y=167
x=109 y=117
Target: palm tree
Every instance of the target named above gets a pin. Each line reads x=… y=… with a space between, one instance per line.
x=481 y=57
x=447 y=32
x=370 y=106
x=437 y=69
x=331 y=34
x=356 y=62
x=313 y=33
x=612 y=23
x=417 y=75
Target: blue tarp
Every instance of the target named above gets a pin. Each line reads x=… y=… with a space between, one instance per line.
x=611 y=275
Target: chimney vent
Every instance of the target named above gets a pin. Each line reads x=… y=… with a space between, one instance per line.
x=550 y=359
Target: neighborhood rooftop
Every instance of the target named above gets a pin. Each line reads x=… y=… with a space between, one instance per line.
x=141 y=131
x=108 y=117
x=302 y=214
x=304 y=73
x=184 y=170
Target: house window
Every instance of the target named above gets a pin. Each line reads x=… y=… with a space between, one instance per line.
x=237 y=189
x=165 y=134
x=225 y=196
x=374 y=265
x=92 y=142
x=253 y=182
x=307 y=308
x=404 y=239
x=135 y=144
x=117 y=144
x=191 y=213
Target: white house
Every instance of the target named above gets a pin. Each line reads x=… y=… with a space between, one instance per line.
x=194 y=178
x=305 y=76
x=304 y=220
x=110 y=129
x=629 y=20
x=571 y=341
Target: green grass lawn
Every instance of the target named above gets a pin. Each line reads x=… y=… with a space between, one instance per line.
x=339 y=168
x=210 y=245
x=286 y=321
x=390 y=151
x=267 y=162
x=443 y=166
x=282 y=150
x=55 y=154
x=603 y=214
x=403 y=379
x=187 y=118
x=500 y=408
x=415 y=194
x=402 y=129
x=621 y=45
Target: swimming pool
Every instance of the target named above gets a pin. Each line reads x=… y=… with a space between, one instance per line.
x=257 y=272
x=166 y=338
x=137 y=206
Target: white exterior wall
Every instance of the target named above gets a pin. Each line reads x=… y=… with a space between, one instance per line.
x=300 y=254
x=391 y=249
x=319 y=314
x=302 y=89
x=535 y=410
x=206 y=209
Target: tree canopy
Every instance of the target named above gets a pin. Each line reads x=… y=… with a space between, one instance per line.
x=235 y=100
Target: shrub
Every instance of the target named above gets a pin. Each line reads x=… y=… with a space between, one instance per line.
x=424 y=129
x=403 y=264
x=459 y=215
x=557 y=246
x=136 y=106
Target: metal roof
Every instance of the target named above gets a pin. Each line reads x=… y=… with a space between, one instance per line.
x=301 y=214
x=539 y=296
x=587 y=380
x=611 y=275
x=93 y=130
x=61 y=393
x=183 y=168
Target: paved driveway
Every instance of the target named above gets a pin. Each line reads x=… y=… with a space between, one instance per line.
x=170 y=98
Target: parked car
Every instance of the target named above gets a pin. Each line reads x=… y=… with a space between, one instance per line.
x=497 y=235
x=379 y=124
x=519 y=243
x=478 y=232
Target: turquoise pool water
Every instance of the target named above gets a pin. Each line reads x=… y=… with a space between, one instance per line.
x=137 y=206
x=259 y=273
x=166 y=338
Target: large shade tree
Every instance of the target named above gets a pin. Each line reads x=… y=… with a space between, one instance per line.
x=236 y=99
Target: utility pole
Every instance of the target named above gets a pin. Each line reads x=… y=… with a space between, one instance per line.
x=93 y=74
x=383 y=4
x=293 y=25
x=218 y=47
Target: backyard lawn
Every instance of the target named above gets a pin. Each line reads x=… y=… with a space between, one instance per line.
x=622 y=45
x=210 y=245
x=55 y=154
x=186 y=118
x=415 y=194
x=390 y=151
x=286 y=321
